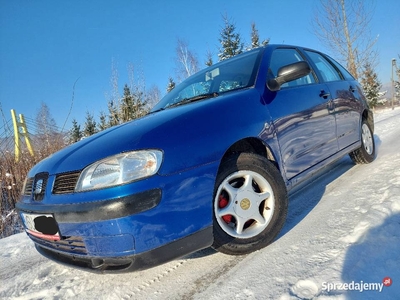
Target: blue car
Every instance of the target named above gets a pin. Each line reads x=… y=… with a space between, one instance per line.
x=211 y=165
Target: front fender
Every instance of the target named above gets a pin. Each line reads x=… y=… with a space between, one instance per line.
x=202 y=132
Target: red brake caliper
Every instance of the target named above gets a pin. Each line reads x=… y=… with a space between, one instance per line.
x=222 y=203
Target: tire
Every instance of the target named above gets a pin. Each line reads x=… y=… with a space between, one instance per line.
x=250 y=204
x=366 y=153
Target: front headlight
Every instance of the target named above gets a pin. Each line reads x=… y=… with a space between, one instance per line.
x=119 y=169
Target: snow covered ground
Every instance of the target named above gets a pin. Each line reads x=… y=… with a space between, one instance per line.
x=341 y=239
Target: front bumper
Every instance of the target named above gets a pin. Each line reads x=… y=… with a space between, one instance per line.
x=194 y=242
x=99 y=210
x=126 y=228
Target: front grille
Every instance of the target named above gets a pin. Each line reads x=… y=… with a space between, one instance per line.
x=72 y=244
x=65 y=183
x=28 y=187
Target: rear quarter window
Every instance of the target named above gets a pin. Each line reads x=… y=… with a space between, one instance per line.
x=346 y=74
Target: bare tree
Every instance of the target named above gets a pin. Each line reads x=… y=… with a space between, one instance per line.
x=114 y=82
x=113 y=97
x=153 y=95
x=186 y=61
x=136 y=82
x=344 y=26
x=47 y=132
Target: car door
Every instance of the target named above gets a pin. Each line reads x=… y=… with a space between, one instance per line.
x=344 y=92
x=301 y=114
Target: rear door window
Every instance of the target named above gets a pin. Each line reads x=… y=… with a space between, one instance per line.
x=327 y=71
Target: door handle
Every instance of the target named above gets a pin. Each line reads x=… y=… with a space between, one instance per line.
x=324 y=94
x=352 y=89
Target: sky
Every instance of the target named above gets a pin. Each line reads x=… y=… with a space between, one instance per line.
x=47 y=47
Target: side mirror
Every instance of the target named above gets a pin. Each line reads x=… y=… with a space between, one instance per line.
x=288 y=73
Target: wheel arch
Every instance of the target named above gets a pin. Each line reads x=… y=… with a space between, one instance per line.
x=251 y=145
x=368 y=116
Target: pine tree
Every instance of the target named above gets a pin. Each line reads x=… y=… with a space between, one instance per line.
x=171 y=85
x=371 y=85
x=230 y=40
x=90 y=125
x=397 y=84
x=132 y=105
x=103 y=122
x=255 y=38
x=140 y=107
x=75 y=133
x=265 y=42
x=113 y=117
x=127 y=107
x=209 y=62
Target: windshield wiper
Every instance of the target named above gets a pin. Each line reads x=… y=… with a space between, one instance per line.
x=194 y=99
x=154 y=111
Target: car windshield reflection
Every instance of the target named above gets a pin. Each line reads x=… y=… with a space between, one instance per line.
x=234 y=74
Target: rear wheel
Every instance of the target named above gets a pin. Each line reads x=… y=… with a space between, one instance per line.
x=366 y=153
x=250 y=204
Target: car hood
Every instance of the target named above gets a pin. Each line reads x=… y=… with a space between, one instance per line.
x=189 y=135
x=126 y=137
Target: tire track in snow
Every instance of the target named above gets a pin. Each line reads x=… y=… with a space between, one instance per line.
x=203 y=282
x=182 y=279
x=144 y=286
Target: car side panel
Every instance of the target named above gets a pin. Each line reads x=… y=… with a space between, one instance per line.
x=305 y=128
x=347 y=112
x=345 y=93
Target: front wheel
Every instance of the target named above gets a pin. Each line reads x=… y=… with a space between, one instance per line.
x=250 y=204
x=366 y=153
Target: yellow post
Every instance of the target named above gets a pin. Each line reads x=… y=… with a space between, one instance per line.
x=16 y=135
x=24 y=133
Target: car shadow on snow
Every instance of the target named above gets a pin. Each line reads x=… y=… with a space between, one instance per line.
x=201 y=253
x=373 y=259
x=378 y=144
x=303 y=200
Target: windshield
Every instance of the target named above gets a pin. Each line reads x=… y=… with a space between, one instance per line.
x=232 y=74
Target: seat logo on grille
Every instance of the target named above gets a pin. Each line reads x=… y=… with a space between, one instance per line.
x=38 y=187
